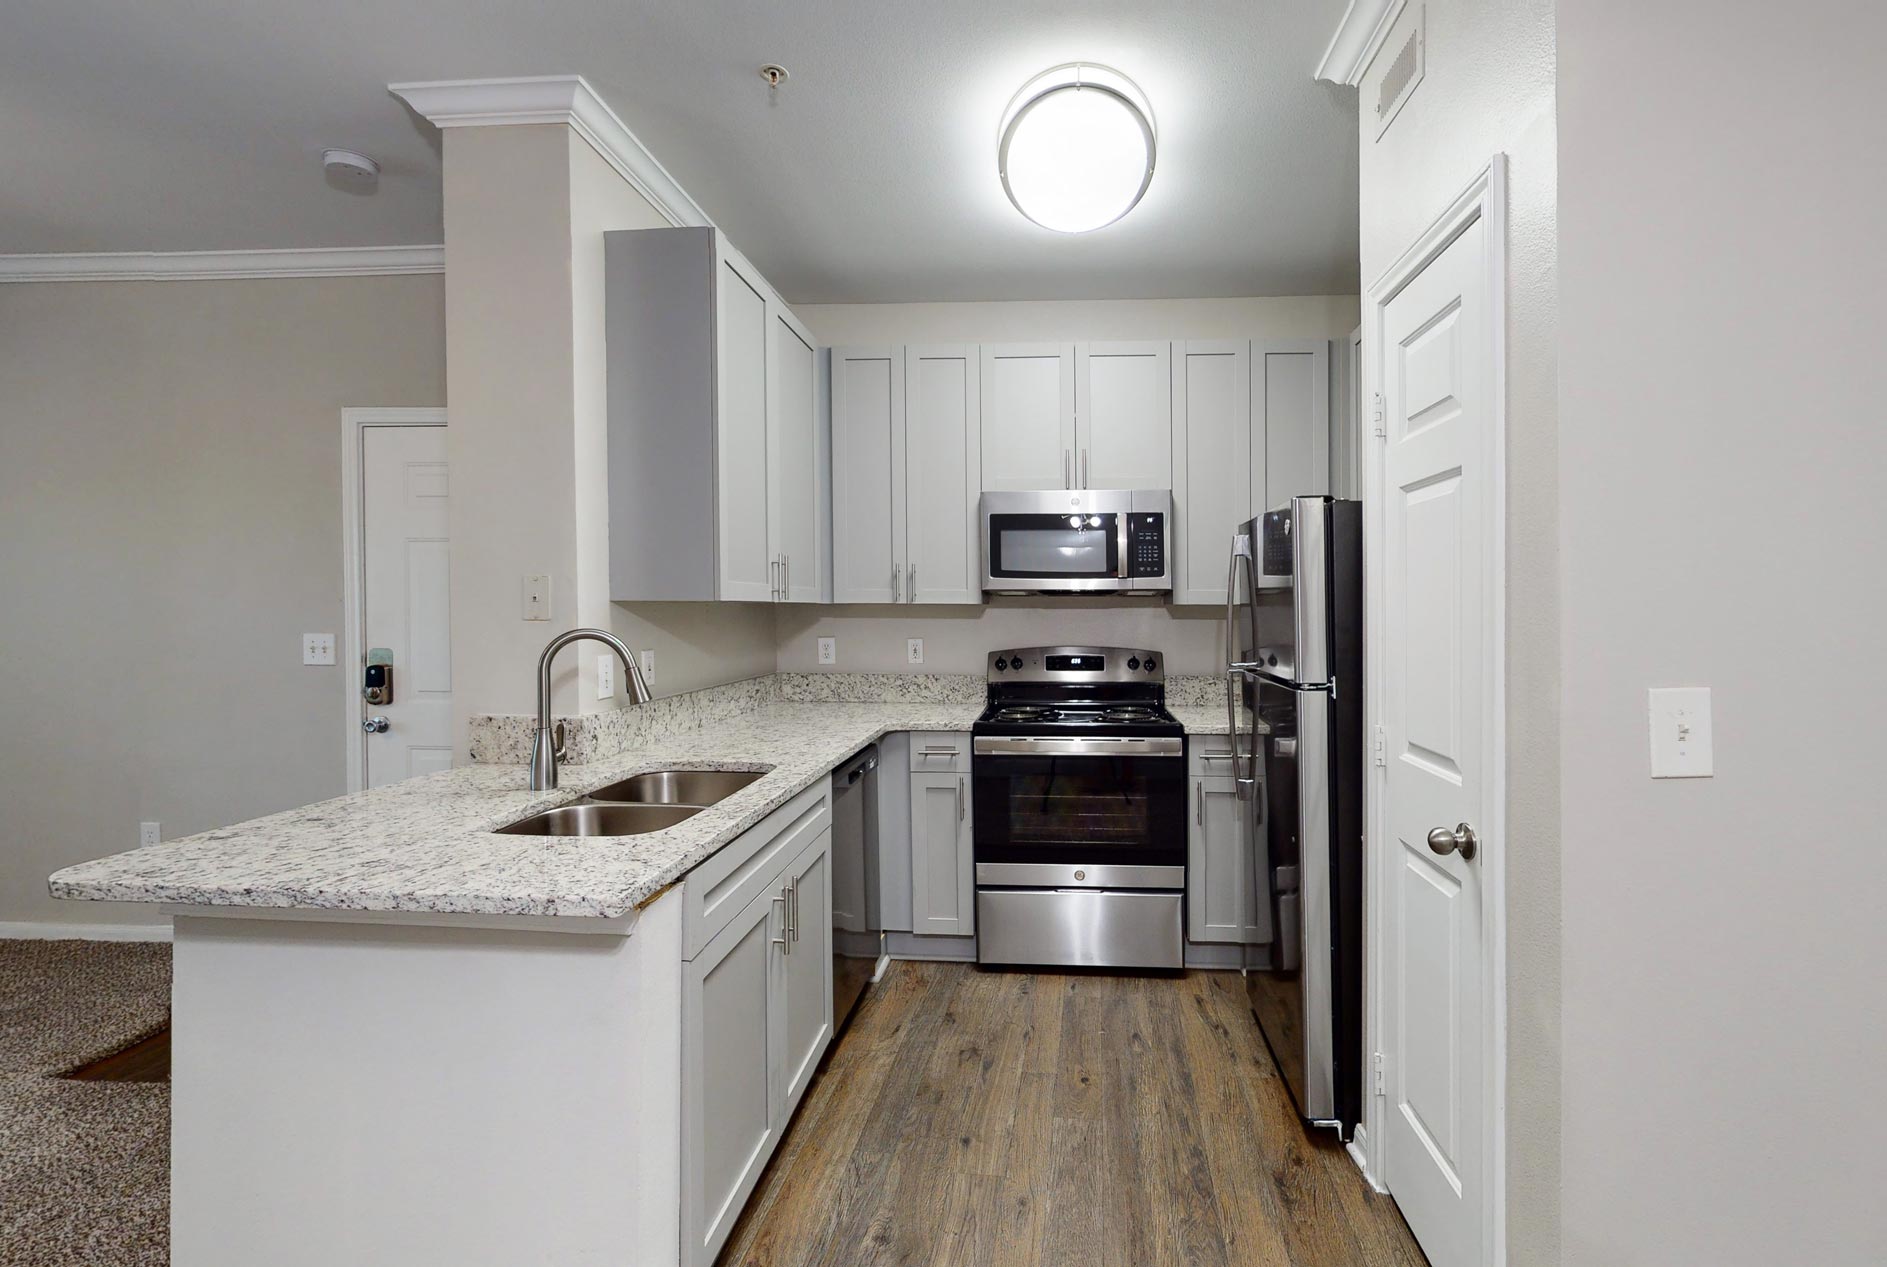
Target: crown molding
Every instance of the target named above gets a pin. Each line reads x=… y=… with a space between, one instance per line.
x=566 y=99
x=1360 y=34
x=180 y=266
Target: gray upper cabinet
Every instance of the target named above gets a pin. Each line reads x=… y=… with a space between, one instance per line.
x=1123 y=423
x=906 y=474
x=1028 y=416
x=713 y=446
x=1290 y=396
x=1212 y=434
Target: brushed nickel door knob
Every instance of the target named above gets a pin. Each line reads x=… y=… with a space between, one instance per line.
x=1460 y=840
x=375 y=725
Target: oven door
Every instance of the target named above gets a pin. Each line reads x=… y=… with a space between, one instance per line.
x=1080 y=813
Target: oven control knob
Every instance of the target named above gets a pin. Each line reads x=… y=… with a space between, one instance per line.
x=1001 y=664
x=1150 y=665
x=1081 y=875
x=1133 y=662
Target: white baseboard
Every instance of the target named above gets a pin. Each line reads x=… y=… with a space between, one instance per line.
x=55 y=930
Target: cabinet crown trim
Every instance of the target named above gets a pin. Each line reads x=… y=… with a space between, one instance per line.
x=566 y=99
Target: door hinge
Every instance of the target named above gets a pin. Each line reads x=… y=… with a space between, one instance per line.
x=1382 y=1076
x=1375 y=416
x=1382 y=747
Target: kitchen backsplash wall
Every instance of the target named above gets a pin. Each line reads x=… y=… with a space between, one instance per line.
x=959 y=639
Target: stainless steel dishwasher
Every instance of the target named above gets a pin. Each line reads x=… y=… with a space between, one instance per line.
x=857 y=925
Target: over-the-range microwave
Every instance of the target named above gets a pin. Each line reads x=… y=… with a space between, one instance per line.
x=1078 y=541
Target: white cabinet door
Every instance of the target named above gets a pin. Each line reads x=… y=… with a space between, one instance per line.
x=805 y=1009
x=868 y=487
x=1123 y=403
x=943 y=884
x=1218 y=873
x=942 y=475
x=1212 y=432
x=1028 y=416
x=745 y=563
x=1290 y=396
x=730 y=1092
x=792 y=457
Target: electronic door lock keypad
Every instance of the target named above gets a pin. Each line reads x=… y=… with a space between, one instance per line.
x=376 y=685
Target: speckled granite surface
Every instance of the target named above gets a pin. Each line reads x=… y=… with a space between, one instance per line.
x=426 y=844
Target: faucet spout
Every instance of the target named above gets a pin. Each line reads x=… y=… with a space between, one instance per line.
x=544 y=745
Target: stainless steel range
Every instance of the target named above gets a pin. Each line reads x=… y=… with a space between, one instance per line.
x=1080 y=836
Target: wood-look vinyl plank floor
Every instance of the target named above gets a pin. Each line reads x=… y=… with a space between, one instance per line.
x=1007 y=1119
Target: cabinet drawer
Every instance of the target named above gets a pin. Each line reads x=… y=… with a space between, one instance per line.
x=940 y=752
x=717 y=890
x=1209 y=755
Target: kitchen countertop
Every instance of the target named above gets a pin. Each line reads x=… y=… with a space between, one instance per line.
x=428 y=845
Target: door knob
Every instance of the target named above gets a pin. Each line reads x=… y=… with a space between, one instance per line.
x=1460 y=840
x=374 y=725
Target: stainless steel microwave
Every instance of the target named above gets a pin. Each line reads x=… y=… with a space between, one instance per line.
x=1078 y=541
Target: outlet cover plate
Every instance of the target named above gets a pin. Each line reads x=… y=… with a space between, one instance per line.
x=828 y=651
x=914 y=650
x=606 y=676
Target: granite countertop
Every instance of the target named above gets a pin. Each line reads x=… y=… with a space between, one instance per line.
x=427 y=844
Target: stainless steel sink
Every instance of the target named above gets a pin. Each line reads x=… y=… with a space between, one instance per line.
x=585 y=819
x=677 y=787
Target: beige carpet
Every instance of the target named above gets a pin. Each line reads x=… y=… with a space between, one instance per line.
x=84 y=1166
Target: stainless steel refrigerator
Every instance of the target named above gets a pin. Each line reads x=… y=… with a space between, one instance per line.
x=1294 y=650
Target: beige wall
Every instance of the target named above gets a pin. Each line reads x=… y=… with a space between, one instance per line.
x=1721 y=247
x=1489 y=86
x=525 y=211
x=170 y=525
x=957 y=639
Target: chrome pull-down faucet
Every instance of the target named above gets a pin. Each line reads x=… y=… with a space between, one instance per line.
x=544 y=745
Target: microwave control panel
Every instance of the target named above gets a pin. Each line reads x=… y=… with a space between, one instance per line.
x=1146 y=545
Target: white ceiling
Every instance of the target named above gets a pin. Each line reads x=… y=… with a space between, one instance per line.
x=870 y=176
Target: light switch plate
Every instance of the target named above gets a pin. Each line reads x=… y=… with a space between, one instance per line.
x=828 y=651
x=317 y=648
x=537 y=598
x=1680 y=732
x=606 y=676
x=914 y=650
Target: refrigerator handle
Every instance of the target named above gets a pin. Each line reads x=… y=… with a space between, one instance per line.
x=1232 y=605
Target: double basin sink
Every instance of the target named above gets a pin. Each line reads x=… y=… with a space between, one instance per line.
x=641 y=803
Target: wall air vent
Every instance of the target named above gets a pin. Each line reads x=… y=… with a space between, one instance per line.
x=1404 y=70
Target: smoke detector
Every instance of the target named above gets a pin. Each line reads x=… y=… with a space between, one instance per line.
x=350 y=172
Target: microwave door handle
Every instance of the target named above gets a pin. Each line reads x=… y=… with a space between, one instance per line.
x=1120 y=543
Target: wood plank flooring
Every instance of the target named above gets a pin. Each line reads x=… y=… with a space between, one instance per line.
x=147 y=1060
x=997 y=1119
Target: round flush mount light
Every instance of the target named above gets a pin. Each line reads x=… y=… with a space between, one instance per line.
x=350 y=172
x=1076 y=147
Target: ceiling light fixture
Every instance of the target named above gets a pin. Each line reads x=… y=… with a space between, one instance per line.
x=1077 y=147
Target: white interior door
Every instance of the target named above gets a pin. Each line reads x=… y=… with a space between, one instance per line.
x=406 y=607
x=1436 y=643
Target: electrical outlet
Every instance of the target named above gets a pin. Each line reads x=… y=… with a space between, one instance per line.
x=149 y=834
x=648 y=666
x=537 y=598
x=606 y=676
x=317 y=648
x=914 y=651
x=1680 y=732
x=828 y=651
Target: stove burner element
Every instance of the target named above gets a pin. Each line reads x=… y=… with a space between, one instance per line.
x=1129 y=712
x=1028 y=712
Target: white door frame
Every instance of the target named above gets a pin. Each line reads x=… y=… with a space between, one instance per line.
x=1484 y=199
x=354 y=424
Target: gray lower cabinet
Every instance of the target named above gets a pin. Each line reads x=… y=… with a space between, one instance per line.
x=943 y=867
x=756 y=1017
x=1219 y=867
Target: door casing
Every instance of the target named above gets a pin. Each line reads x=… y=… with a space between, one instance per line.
x=354 y=422
x=1485 y=199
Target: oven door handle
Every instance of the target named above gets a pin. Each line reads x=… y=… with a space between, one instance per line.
x=1069 y=746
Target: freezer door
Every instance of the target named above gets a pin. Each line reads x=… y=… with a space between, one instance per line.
x=1291 y=548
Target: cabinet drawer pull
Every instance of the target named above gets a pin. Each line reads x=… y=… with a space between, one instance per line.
x=1199 y=804
x=959 y=798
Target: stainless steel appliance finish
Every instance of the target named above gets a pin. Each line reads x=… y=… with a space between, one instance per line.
x=857 y=924
x=1078 y=541
x=1081 y=928
x=589 y=818
x=1080 y=832
x=1303 y=677
x=544 y=746
x=677 y=787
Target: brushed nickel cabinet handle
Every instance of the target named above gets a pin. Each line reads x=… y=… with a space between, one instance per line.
x=1199 y=803
x=786 y=933
x=959 y=798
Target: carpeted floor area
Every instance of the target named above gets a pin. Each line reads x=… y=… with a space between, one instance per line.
x=84 y=1166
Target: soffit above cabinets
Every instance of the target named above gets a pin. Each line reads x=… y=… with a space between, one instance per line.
x=869 y=176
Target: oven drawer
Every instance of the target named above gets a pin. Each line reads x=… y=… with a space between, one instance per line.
x=1088 y=928
x=940 y=752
